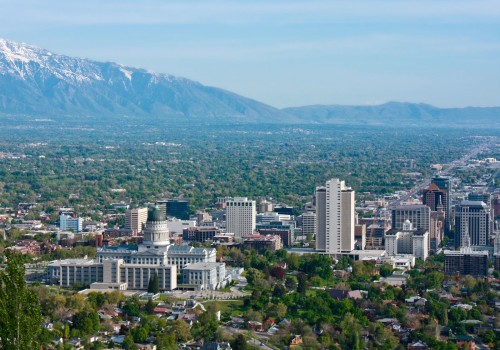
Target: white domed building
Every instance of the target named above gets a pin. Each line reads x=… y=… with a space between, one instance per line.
x=132 y=266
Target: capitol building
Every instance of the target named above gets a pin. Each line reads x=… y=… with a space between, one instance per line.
x=132 y=266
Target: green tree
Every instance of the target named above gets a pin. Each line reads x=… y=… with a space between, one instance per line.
x=20 y=312
x=253 y=275
x=206 y=327
x=166 y=342
x=302 y=285
x=489 y=336
x=128 y=343
x=140 y=334
x=277 y=310
x=97 y=299
x=181 y=330
x=131 y=309
x=279 y=290
x=293 y=261
x=153 y=285
x=290 y=282
x=386 y=270
x=240 y=343
x=150 y=306
x=87 y=322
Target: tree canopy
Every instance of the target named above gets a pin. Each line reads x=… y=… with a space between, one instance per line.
x=20 y=312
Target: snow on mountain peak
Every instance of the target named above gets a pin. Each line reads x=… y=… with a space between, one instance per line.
x=26 y=61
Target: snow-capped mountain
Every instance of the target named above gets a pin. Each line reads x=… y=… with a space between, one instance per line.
x=37 y=82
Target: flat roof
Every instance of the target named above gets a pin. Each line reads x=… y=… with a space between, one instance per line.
x=202 y=266
x=73 y=262
x=465 y=252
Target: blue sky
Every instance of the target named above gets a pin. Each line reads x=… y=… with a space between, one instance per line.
x=286 y=53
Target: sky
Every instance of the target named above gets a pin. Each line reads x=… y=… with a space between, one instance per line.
x=285 y=53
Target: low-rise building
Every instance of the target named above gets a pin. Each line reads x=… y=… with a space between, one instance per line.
x=200 y=233
x=262 y=242
x=110 y=274
x=286 y=235
x=205 y=276
x=66 y=222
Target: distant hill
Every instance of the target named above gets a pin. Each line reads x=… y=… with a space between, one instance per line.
x=398 y=114
x=39 y=83
x=36 y=83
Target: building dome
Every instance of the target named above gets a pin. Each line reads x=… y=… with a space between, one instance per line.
x=156 y=230
x=156 y=214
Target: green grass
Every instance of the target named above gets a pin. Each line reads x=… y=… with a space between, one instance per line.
x=235 y=307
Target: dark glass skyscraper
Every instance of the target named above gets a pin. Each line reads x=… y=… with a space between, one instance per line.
x=444 y=184
x=178 y=209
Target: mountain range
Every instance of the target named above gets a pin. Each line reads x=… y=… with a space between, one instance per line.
x=38 y=83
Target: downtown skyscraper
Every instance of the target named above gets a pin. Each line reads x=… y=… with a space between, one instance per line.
x=335 y=212
x=240 y=217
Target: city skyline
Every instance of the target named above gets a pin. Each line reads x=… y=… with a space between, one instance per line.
x=286 y=54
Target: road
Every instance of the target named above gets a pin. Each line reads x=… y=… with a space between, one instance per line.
x=446 y=172
x=255 y=340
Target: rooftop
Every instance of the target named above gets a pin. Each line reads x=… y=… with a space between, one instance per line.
x=56 y=263
x=465 y=251
x=202 y=266
x=121 y=247
x=188 y=249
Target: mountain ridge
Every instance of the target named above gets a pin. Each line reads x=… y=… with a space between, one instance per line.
x=39 y=83
x=391 y=113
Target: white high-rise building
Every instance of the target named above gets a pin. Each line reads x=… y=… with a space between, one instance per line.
x=335 y=212
x=136 y=218
x=407 y=241
x=240 y=216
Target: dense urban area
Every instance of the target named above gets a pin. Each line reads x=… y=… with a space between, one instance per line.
x=249 y=237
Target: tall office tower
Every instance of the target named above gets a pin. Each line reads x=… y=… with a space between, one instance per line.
x=320 y=201
x=178 y=209
x=444 y=183
x=472 y=219
x=496 y=205
x=335 y=212
x=240 y=216
x=480 y=197
x=418 y=214
x=436 y=230
x=136 y=218
x=432 y=196
x=487 y=199
x=309 y=223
